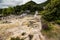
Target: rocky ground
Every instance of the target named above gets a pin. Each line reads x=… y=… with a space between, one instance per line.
x=24 y=28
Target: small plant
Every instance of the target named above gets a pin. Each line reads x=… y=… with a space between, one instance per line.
x=46 y=27
x=57 y=21
x=17 y=38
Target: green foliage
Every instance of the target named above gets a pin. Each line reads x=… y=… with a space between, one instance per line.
x=0 y=11
x=32 y=6
x=7 y=11
x=57 y=21
x=17 y=10
x=17 y=38
x=4 y=13
x=29 y=6
x=52 y=11
x=46 y=26
x=10 y=10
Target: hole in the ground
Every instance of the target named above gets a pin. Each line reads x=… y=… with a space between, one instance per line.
x=23 y=33
x=30 y=37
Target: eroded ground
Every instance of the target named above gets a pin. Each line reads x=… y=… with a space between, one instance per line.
x=13 y=26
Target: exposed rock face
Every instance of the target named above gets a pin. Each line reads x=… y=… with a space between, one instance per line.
x=28 y=28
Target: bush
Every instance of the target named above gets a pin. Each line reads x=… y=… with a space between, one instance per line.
x=57 y=21
x=46 y=26
x=52 y=11
x=17 y=38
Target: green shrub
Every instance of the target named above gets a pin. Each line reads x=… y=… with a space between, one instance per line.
x=46 y=26
x=57 y=21
x=17 y=38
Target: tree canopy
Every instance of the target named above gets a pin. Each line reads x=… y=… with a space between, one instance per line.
x=52 y=10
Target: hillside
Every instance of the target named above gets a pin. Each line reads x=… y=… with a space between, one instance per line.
x=31 y=21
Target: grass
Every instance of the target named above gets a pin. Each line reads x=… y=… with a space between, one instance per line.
x=57 y=21
x=53 y=34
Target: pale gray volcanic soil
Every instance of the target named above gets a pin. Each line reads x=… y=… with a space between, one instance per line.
x=22 y=27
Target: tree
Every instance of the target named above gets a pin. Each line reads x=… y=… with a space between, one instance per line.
x=17 y=9
x=51 y=11
x=7 y=11
x=0 y=11
x=10 y=10
x=4 y=13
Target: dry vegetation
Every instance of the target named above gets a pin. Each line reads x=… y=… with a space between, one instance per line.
x=54 y=33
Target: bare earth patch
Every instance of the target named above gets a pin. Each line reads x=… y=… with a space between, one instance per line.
x=21 y=27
